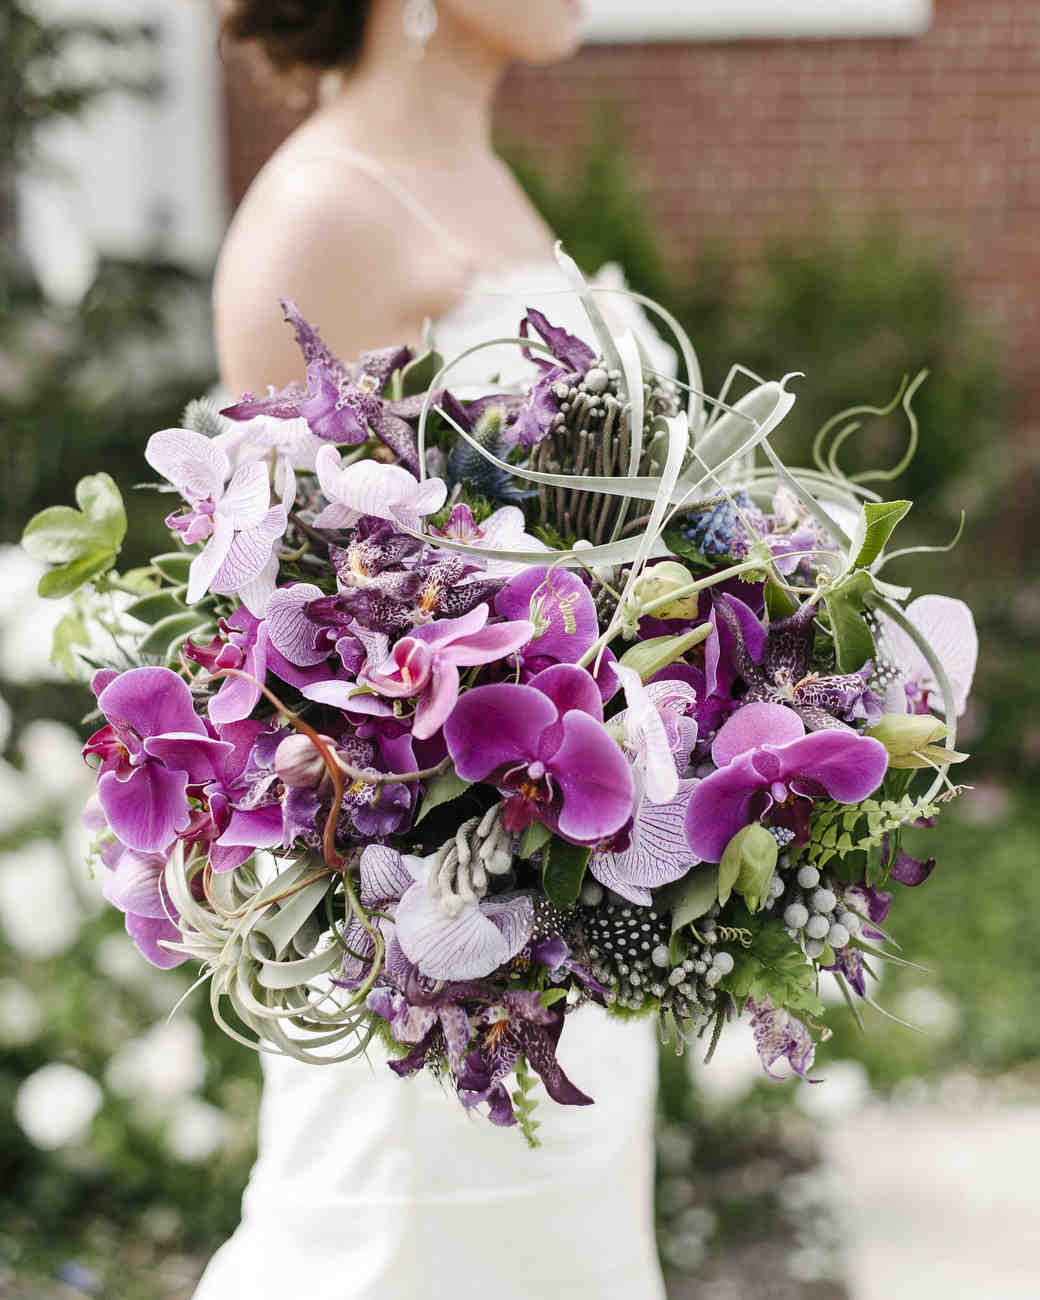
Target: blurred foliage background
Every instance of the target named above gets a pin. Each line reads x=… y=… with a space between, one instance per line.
x=127 y=1136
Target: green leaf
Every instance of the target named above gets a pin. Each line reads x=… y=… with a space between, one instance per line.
x=774 y=967
x=564 y=871
x=159 y=605
x=441 y=788
x=648 y=657
x=69 y=577
x=875 y=526
x=853 y=643
x=69 y=632
x=168 y=633
x=174 y=565
x=549 y=996
x=84 y=542
x=418 y=375
x=748 y=864
x=533 y=838
x=688 y=899
x=778 y=603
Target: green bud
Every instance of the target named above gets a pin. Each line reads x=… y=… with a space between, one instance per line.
x=910 y=739
x=662 y=579
x=748 y=864
x=650 y=656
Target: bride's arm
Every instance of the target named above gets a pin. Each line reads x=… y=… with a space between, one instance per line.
x=329 y=240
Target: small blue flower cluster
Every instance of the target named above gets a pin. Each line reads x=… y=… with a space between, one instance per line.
x=718 y=531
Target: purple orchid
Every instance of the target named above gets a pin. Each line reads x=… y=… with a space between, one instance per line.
x=563 y=612
x=774 y=665
x=779 y=1035
x=338 y=405
x=657 y=852
x=427 y=663
x=152 y=749
x=572 y=358
x=235 y=518
x=769 y=768
x=545 y=747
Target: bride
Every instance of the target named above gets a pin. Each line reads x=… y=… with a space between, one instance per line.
x=385 y=209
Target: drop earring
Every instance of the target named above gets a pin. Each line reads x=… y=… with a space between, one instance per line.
x=420 y=22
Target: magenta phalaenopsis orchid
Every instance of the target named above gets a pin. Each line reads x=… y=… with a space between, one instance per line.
x=426 y=664
x=766 y=762
x=546 y=749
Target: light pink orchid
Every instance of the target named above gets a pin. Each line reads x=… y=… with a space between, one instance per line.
x=947 y=624
x=427 y=662
x=231 y=512
x=368 y=487
x=503 y=530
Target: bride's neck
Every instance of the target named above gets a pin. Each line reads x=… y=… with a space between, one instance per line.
x=434 y=109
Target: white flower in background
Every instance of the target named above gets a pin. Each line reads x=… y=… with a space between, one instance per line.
x=847 y=1090
x=734 y=1069
x=56 y=1105
x=52 y=759
x=195 y=1130
x=27 y=623
x=165 y=1062
x=5 y=723
x=40 y=912
x=21 y=1016
x=18 y=800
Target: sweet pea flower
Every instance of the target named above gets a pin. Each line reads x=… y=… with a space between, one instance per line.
x=545 y=747
x=427 y=663
x=368 y=487
x=235 y=518
x=154 y=746
x=949 y=627
x=765 y=763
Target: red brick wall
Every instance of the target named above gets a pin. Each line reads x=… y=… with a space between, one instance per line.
x=740 y=136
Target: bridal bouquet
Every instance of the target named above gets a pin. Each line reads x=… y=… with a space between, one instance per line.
x=444 y=716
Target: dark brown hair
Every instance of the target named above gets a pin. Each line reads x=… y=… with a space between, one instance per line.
x=301 y=33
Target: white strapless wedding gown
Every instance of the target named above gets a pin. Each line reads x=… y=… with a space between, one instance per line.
x=368 y=1187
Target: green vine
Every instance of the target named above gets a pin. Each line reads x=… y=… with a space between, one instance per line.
x=524 y=1104
x=836 y=830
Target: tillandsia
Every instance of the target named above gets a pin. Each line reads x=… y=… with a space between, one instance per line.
x=444 y=717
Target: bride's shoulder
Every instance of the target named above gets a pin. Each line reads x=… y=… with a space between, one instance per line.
x=318 y=230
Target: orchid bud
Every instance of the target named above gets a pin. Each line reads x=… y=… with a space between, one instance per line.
x=748 y=864
x=910 y=739
x=661 y=580
x=650 y=656
x=299 y=763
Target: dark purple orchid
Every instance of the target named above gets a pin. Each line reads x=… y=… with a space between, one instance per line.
x=779 y=1036
x=427 y=662
x=767 y=767
x=774 y=665
x=153 y=748
x=545 y=747
x=572 y=358
x=339 y=405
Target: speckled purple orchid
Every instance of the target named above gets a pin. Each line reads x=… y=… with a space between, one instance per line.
x=426 y=663
x=572 y=358
x=339 y=405
x=545 y=747
x=781 y=1036
x=769 y=769
x=153 y=748
x=508 y=1024
x=774 y=665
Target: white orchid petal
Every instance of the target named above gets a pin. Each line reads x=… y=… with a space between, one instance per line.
x=248 y=496
x=257 y=593
x=205 y=566
x=249 y=553
x=194 y=464
x=467 y=946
